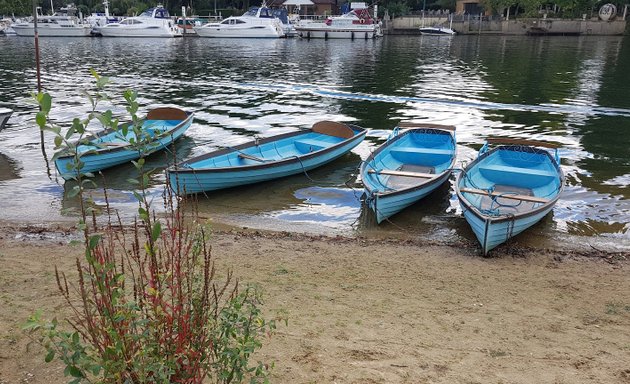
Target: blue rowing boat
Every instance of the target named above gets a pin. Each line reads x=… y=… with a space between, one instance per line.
x=406 y=168
x=509 y=188
x=265 y=159
x=110 y=147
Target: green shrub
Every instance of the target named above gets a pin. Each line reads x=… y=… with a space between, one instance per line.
x=147 y=305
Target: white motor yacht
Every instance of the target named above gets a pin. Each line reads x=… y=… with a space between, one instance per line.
x=154 y=22
x=356 y=24
x=99 y=19
x=257 y=22
x=64 y=23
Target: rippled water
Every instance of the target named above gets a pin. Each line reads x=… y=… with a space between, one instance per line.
x=571 y=91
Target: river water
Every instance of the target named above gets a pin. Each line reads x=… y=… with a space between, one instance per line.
x=567 y=90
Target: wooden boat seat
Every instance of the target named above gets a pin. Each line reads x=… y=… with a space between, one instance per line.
x=167 y=113
x=504 y=195
x=333 y=128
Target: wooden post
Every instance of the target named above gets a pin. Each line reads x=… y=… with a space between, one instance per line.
x=184 y=21
x=39 y=80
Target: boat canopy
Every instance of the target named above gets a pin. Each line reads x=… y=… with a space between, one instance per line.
x=282 y=14
x=298 y=2
x=156 y=13
x=262 y=12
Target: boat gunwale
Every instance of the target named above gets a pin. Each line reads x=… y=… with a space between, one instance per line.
x=125 y=147
x=360 y=132
x=429 y=182
x=468 y=206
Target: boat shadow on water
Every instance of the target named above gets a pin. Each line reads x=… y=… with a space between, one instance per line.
x=9 y=169
x=280 y=197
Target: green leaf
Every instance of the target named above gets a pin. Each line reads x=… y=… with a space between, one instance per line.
x=50 y=356
x=136 y=194
x=75 y=372
x=78 y=126
x=105 y=118
x=144 y=215
x=40 y=118
x=74 y=191
x=94 y=242
x=58 y=141
x=157 y=229
x=94 y=73
x=102 y=82
x=45 y=102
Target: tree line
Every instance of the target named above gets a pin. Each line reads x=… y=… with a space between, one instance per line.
x=525 y=8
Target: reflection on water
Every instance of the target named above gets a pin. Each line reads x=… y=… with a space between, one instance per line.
x=570 y=91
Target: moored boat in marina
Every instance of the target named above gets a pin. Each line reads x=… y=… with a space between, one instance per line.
x=437 y=31
x=98 y=20
x=257 y=22
x=407 y=167
x=356 y=24
x=265 y=159
x=63 y=23
x=110 y=147
x=154 y=22
x=509 y=188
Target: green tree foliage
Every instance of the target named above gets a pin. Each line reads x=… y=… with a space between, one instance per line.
x=399 y=8
x=15 y=7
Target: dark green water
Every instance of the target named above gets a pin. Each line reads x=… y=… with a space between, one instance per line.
x=567 y=90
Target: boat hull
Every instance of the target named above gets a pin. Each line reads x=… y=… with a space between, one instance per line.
x=255 y=31
x=336 y=33
x=103 y=158
x=44 y=30
x=385 y=206
x=389 y=186
x=507 y=190
x=150 y=31
x=184 y=179
x=492 y=233
x=432 y=31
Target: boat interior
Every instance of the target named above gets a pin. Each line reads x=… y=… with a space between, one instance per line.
x=412 y=160
x=511 y=180
x=323 y=135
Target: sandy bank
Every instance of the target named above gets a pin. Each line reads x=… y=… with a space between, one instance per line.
x=380 y=311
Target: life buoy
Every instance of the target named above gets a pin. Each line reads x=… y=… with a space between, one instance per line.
x=361 y=21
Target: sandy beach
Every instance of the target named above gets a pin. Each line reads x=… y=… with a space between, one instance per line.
x=378 y=311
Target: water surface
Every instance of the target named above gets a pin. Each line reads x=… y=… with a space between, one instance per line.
x=567 y=90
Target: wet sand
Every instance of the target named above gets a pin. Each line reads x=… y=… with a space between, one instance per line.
x=378 y=311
